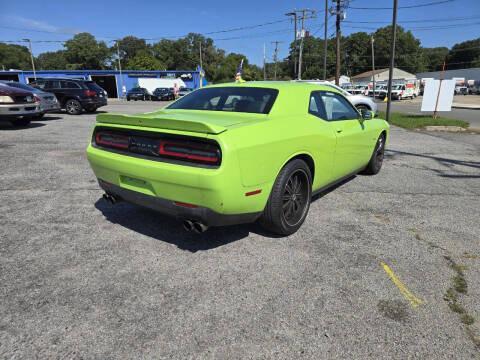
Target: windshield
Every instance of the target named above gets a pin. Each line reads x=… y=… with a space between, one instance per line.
x=397 y=87
x=161 y=89
x=235 y=99
x=137 y=90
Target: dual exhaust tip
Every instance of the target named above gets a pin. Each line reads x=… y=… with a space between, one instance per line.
x=188 y=225
x=194 y=226
x=112 y=199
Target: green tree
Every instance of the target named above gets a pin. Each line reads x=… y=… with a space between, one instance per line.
x=129 y=47
x=144 y=60
x=464 y=55
x=434 y=58
x=52 y=60
x=14 y=57
x=83 y=51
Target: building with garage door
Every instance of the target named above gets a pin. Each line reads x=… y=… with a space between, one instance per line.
x=382 y=75
x=111 y=81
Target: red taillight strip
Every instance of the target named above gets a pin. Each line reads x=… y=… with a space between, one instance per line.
x=183 y=204
x=163 y=151
x=100 y=141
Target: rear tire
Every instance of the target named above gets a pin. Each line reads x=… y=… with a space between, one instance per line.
x=73 y=107
x=20 y=122
x=289 y=200
x=376 y=161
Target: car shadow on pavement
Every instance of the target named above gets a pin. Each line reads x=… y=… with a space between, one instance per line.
x=9 y=127
x=164 y=228
x=445 y=161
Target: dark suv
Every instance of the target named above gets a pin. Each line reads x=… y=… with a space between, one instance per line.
x=74 y=95
x=138 y=93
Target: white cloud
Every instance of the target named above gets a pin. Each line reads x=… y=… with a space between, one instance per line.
x=32 y=24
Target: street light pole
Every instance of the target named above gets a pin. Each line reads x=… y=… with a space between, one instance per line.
x=373 y=68
x=337 y=70
x=31 y=57
x=392 y=58
x=325 y=42
x=120 y=70
x=294 y=14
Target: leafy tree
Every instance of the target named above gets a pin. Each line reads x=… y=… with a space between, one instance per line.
x=434 y=58
x=129 y=47
x=83 y=51
x=144 y=60
x=464 y=55
x=14 y=57
x=52 y=60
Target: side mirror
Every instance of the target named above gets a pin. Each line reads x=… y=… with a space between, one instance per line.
x=366 y=114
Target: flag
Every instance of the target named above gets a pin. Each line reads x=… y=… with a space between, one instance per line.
x=238 y=74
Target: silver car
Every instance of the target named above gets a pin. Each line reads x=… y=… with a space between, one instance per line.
x=48 y=101
x=361 y=102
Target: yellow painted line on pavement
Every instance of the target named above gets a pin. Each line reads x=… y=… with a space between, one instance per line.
x=414 y=301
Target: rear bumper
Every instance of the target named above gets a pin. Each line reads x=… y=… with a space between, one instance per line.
x=94 y=102
x=169 y=208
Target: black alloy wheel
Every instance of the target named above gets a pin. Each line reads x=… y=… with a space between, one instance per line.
x=376 y=161
x=289 y=200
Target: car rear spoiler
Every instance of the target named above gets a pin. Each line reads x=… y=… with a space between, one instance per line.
x=162 y=122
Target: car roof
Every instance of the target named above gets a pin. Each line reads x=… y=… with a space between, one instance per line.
x=279 y=85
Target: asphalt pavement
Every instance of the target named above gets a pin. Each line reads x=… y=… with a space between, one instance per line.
x=385 y=266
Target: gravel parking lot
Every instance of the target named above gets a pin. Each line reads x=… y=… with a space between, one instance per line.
x=384 y=267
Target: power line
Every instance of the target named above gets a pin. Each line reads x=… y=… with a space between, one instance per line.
x=415 y=21
x=404 y=7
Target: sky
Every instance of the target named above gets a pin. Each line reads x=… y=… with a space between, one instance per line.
x=107 y=19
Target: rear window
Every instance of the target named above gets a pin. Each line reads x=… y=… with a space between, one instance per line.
x=235 y=99
x=93 y=86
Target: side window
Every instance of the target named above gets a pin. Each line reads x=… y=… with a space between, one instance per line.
x=52 y=84
x=315 y=106
x=39 y=84
x=69 y=85
x=337 y=107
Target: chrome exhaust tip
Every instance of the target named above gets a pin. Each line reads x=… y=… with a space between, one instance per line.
x=187 y=225
x=199 y=228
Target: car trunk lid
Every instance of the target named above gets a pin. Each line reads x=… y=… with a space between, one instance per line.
x=198 y=121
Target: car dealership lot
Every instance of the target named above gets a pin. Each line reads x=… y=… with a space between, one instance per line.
x=83 y=279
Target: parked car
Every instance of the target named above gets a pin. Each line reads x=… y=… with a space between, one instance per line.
x=461 y=90
x=361 y=102
x=48 y=101
x=74 y=95
x=380 y=91
x=138 y=93
x=184 y=91
x=202 y=160
x=18 y=106
x=164 y=94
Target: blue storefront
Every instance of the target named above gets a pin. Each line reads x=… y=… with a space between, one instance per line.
x=111 y=80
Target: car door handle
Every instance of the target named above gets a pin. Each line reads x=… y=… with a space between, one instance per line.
x=339 y=130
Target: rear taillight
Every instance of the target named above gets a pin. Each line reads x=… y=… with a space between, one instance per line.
x=115 y=141
x=199 y=153
x=90 y=93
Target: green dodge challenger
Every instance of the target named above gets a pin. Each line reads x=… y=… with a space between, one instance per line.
x=237 y=153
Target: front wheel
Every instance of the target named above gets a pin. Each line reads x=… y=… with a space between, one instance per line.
x=376 y=161
x=289 y=200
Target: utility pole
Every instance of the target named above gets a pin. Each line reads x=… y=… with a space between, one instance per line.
x=325 y=42
x=264 y=63
x=294 y=14
x=338 y=31
x=275 y=58
x=392 y=57
x=302 y=36
x=201 y=65
x=31 y=57
x=120 y=70
x=373 y=67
